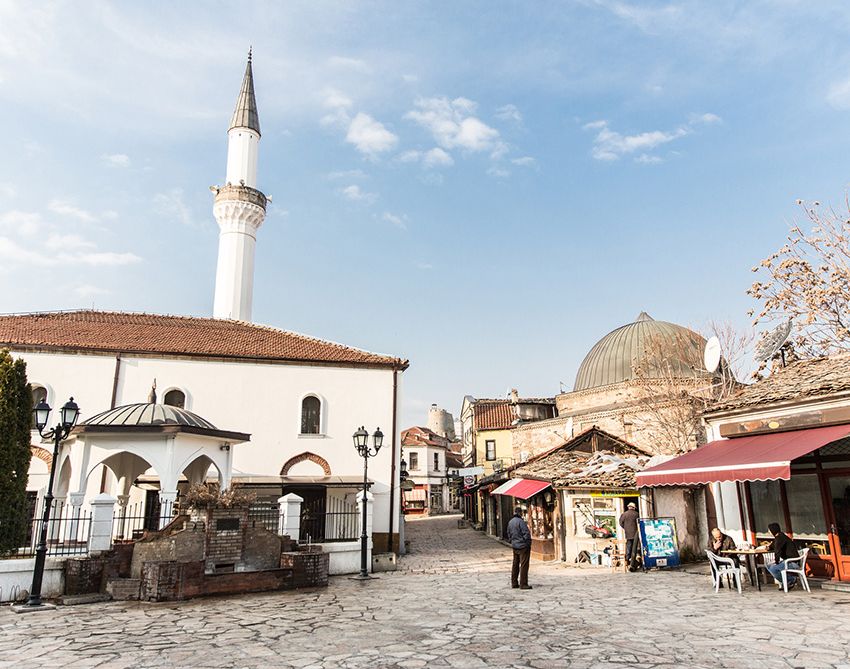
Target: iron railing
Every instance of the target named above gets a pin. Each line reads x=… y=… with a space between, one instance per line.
x=68 y=530
x=133 y=520
x=334 y=519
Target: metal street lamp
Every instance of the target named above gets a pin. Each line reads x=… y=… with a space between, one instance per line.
x=361 y=443
x=68 y=415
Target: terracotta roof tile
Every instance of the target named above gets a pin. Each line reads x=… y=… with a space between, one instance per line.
x=422 y=436
x=802 y=379
x=603 y=469
x=176 y=335
x=494 y=414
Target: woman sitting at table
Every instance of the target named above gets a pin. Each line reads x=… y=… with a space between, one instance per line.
x=719 y=542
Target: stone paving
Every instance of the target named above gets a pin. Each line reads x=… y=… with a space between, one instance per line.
x=450 y=605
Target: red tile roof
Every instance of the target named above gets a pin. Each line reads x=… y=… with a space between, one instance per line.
x=493 y=414
x=176 y=335
x=422 y=436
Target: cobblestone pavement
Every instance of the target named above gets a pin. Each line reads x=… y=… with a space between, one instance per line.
x=450 y=605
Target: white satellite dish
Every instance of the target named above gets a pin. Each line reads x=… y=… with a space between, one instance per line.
x=711 y=354
x=772 y=342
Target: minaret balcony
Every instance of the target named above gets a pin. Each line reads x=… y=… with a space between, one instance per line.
x=232 y=193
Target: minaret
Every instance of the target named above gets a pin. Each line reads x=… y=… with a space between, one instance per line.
x=239 y=209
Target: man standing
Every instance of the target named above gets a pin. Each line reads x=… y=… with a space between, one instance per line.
x=629 y=523
x=520 y=539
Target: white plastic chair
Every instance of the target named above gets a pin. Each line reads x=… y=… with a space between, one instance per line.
x=801 y=572
x=724 y=566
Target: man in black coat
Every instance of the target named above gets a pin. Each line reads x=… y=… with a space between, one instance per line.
x=783 y=549
x=520 y=540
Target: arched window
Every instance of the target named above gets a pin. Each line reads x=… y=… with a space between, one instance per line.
x=39 y=394
x=311 y=414
x=175 y=398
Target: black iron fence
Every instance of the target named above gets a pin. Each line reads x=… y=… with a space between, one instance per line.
x=131 y=521
x=68 y=530
x=324 y=520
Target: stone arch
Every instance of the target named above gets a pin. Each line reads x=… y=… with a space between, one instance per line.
x=42 y=454
x=312 y=457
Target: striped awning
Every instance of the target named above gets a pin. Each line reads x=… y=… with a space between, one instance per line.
x=415 y=495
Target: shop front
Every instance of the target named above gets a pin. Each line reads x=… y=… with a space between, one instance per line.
x=799 y=478
x=537 y=500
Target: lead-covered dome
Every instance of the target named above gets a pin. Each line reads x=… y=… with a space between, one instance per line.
x=149 y=414
x=614 y=357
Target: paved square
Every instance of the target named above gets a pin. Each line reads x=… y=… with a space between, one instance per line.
x=451 y=606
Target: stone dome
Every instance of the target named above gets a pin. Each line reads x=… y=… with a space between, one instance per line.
x=147 y=414
x=614 y=357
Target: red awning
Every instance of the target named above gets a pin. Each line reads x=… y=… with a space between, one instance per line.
x=761 y=457
x=522 y=488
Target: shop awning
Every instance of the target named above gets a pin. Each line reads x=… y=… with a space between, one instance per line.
x=760 y=457
x=415 y=495
x=521 y=488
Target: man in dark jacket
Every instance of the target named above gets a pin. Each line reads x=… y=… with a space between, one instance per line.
x=629 y=523
x=783 y=549
x=520 y=540
x=719 y=542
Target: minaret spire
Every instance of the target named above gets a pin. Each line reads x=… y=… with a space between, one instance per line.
x=245 y=115
x=239 y=208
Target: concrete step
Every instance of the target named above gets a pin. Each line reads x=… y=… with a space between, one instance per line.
x=88 y=598
x=840 y=586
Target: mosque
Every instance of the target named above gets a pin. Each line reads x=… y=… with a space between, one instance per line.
x=171 y=400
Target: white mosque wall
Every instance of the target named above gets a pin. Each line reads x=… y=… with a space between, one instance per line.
x=262 y=399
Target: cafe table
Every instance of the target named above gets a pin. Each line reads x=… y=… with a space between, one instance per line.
x=752 y=567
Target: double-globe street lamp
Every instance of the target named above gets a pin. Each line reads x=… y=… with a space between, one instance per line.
x=68 y=415
x=361 y=443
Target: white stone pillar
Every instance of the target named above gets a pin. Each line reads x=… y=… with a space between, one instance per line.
x=102 y=515
x=123 y=500
x=369 y=503
x=289 y=519
x=166 y=506
x=73 y=519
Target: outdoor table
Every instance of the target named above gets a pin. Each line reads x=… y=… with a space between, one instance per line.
x=752 y=568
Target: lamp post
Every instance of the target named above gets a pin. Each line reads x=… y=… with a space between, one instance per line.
x=68 y=415
x=361 y=443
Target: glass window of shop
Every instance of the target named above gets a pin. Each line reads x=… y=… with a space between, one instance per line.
x=805 y=507
x=767 y=506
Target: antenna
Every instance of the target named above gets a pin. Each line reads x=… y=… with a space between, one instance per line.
x=711 y=354
x=772 y=342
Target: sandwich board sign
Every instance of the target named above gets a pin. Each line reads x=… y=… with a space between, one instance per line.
x=659 y=542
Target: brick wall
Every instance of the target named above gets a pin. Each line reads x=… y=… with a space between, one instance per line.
x=309 y=569
x=186 y=545
x=90 y=574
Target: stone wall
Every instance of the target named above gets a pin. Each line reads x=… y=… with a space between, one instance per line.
x=309 y=569
x=185 y=545
x=89 y=574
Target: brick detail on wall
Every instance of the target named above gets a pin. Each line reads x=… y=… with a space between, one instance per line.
x=301 y=457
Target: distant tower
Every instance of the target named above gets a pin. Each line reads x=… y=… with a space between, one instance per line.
x=239 y=209
x=441 y=422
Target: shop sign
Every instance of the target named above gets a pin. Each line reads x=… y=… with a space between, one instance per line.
x=469 y=481
x=615 y=493
x=467 y=471
x=659 y=542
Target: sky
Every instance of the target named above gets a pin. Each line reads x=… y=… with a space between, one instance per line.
x=483 y=188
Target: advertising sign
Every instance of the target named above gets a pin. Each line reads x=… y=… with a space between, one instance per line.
x=467 y=471
x=469 y=481
x=659 y=543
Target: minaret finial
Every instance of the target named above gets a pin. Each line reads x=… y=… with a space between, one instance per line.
x=250 y=52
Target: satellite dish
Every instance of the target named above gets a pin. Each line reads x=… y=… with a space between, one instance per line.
x=711 y=354
x=773 y=341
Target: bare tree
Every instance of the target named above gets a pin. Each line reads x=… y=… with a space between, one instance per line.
x=674 y=389
x=808 y=280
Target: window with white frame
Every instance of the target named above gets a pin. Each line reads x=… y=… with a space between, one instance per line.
x=414 y=462
x=311 y=415
x=39 y=394
x=490 y=446
x=436 y=462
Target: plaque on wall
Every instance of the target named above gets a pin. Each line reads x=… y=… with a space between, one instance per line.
x=226 y=524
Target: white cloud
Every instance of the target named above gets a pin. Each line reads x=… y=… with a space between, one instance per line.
x=14 y=253
x=498 y=172
x=452 y=124
x=67 y=242
x=648 y=159
x=357 y=194
x=424 y=265
x=354 y=64
x=347 y=174
x=525 y=161
x=509 y=113
x=396 y=220
x=430 y=159
x=838 y=95
x=65 y=208
x=25 y=223
x=409 y=78
x=610 y=145
x=369 y=136
x=7 y=190
x=116 y=159
x=171 y=205
x=338 y=104
x=87 y=290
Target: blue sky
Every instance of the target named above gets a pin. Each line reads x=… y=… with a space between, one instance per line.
x=484 y=188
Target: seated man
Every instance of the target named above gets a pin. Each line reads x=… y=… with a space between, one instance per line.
x=783 y=549
x=719 y=542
